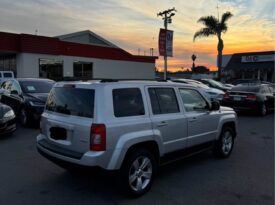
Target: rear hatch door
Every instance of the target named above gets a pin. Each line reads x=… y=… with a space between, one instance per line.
x=68 y=118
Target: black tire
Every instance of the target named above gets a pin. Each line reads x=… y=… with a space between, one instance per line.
x=263 y=110
x=138 y=172
x=23 y=117
x=224 y=146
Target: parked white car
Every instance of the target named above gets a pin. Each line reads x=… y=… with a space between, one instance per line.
x=132 y=126
x=211 y=93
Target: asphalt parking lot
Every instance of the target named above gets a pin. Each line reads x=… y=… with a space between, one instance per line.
x=247 y=177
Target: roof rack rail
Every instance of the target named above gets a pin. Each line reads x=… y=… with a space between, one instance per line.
x=108 y=80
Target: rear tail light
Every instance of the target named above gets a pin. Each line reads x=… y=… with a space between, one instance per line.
x=251 y=97
x=98 y=137
x=226 y=95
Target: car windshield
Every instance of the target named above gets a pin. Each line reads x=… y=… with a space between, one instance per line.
x=216 y=83
x=36 y=86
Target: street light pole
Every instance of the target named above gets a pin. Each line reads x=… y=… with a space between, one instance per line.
x=167 y=19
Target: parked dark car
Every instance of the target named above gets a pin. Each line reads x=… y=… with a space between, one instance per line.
x=245 y=81
x=215 y=84
x=27 y=97
x=252 y=97
x=7 y=120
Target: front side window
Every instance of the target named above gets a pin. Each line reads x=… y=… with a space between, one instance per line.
x=163 y=100
x=193 y=101
x=128 y=102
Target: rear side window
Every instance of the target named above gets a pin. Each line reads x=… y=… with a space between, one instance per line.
x=71 y=101
x=163 y=100
x=128 y=102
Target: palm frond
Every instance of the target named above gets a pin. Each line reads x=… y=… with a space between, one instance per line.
x=227 y=15
x=223 y=28
x=204 y=32
x=209 y=21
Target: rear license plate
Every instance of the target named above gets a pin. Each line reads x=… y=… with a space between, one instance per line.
x=237 y=98
x=58 y=133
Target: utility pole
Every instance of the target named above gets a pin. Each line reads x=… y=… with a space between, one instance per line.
x=167 y=17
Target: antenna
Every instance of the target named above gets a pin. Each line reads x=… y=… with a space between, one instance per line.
x=218 y=11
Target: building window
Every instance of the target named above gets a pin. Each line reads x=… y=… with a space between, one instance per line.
x=83 y=70
x=51 y=69
x=8 y=63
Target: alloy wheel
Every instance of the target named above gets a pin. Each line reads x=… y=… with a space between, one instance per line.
x=227 y=142
x=140 y=173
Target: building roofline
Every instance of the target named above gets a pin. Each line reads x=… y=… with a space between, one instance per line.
x=252 y=53
x=27 y=43
x=86 y=32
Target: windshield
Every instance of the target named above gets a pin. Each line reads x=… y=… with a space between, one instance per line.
x=216 y=83
x=36 y=86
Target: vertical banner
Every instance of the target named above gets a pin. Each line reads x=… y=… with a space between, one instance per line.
x=162 y=42
x=165 y=42
x=169 y=43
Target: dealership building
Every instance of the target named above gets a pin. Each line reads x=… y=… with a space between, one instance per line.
x=83 y=55
x=252 y=65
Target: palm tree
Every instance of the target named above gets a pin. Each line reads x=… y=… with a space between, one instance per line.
x=214 y=26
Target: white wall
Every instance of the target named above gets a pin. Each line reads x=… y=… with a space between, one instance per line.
x=28 y=66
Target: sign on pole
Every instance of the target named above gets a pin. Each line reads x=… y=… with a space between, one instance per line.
x=162 y=42
x=165 y=42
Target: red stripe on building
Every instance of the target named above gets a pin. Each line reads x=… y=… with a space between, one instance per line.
x=25 y=43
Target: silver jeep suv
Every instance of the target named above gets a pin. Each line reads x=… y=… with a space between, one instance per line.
x=132 y=126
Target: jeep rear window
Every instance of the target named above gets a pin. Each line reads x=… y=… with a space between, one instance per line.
x=71 y=101
x=128 y=102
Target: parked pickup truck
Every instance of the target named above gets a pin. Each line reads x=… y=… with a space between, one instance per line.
x=132 y=126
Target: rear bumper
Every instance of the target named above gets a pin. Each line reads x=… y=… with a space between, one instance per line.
x=57 y=154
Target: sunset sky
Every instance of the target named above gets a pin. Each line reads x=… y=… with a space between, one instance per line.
x=134 y=25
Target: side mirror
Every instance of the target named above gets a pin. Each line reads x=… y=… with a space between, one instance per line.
x=14 y=92
x=215 y=105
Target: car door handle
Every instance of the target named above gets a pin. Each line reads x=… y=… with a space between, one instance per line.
x=193 y=119
x=162 y=124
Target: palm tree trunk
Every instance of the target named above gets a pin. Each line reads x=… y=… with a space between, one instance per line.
x=220 y=48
